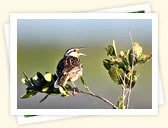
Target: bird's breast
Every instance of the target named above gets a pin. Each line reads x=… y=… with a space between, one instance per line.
x=76 y=74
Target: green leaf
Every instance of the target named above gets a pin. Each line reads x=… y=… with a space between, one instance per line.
x=134 y=54
x=137 y=49
x=111 y=50
x=35 y=82
x=48 y=77
x=119 y=62
x=54 y=77
x=40 y=83
x=25 y=96
x=131 y=79
x=26 y=82
x=115 y=74
x=31 y=88
x=125 y=62
x=120 y=103
x=107 y=64
x=122 y=54
x=45 y=89
x=144 y=58
x=23 y=80
x=40 y=76
x=28 y=94
x=35 y=77
x=54 y=94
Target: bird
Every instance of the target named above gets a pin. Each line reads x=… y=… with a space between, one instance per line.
x=69 y=68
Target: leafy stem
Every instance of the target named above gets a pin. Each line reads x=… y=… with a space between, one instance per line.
x=132 y=69
x=45 y=84
x=121 y=69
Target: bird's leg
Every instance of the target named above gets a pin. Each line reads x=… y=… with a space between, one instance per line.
x=74 y=92
x=73 y=84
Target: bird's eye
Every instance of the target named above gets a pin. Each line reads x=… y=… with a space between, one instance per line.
x=74 y=50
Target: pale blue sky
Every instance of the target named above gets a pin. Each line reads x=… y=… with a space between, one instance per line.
x=86 y=31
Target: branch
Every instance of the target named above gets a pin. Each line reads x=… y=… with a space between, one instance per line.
x=132 y=69
x=93 y=94
x=99 y=97
x=128 y=99
x=45 y=84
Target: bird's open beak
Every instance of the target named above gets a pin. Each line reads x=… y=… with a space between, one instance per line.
x=81 y=54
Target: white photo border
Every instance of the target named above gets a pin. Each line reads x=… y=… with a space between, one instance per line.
x=13 y=64
x=131 y=8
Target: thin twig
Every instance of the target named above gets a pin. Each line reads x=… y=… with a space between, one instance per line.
x=132 y=69
x=99 y=97
x=123 y=89
x=93 y=94
x=128 y=99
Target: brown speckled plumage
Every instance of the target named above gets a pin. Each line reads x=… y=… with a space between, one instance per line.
x=68 y=68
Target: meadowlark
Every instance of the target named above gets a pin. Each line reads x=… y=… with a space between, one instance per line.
x=69 y=67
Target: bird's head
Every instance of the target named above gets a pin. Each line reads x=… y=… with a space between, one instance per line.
x=74 y=52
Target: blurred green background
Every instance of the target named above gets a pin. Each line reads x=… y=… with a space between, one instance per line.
x=42 y=43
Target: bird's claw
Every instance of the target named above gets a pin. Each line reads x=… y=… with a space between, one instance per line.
x=74 y=91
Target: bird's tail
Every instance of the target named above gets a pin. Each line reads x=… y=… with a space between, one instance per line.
x=62 y=81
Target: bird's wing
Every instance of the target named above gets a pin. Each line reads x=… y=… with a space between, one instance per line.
x=67 y=64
